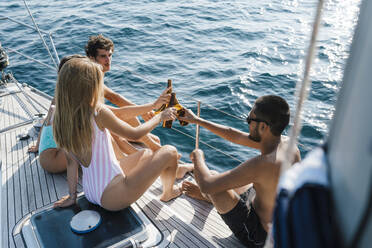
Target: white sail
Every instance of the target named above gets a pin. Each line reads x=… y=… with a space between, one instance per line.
x=350 y=140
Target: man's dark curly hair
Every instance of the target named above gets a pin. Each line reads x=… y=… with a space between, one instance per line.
x=274 y=110
x=98 y=42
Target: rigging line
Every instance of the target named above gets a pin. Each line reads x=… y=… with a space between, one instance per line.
x=54 y=47
x=187 y=95
x=214 y=108
x=41 y=37
x=190 y=97
x=214 y=148
x=37 y=102
x=21 y=23
x=28 y=57
x=138 y=75
x=29 y=100
x=302 y=92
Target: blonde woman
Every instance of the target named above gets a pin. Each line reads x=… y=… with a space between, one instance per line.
x=81 y=127
x=51 y=158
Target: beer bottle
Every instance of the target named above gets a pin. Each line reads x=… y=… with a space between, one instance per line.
x=172 y=103
x=162 y=107
x=180 y=112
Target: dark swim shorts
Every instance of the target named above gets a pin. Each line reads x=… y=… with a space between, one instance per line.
x=245 y=223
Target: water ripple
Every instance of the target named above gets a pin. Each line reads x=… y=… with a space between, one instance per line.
x=225 y=53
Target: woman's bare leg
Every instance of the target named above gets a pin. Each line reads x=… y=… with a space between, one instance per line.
x=121 y=146
x=154 y=138
x=141 y=169
x=53 y=160
x=151 y=141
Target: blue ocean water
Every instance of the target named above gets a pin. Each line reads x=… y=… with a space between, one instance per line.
x=223 y=53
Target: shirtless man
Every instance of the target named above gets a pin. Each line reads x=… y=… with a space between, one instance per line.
x=249 y=213
x=100 y=50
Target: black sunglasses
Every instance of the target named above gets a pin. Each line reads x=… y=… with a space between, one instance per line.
x=249 y=119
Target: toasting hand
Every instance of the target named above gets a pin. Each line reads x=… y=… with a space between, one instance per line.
x=163 y=98
x=189 y=116
x=168 y=114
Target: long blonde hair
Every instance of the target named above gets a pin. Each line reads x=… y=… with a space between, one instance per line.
x=79 y=89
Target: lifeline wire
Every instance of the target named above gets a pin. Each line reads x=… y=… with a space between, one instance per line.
x=41 y=37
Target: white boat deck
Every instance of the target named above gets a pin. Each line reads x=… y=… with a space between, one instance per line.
x=26 y=186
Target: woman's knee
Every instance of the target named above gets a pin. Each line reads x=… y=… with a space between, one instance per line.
x=146 y=153
x=168 y=152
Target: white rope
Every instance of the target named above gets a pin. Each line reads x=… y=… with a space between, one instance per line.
x=302 y=93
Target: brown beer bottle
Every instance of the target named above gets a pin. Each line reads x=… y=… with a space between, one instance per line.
x=162 y=107
x=172 y=103
x=180 y=112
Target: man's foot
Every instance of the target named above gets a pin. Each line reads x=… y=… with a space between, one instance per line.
x=176 y=191
x=192 y=190
x=183 y=168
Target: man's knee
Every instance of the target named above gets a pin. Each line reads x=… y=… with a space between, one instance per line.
x=224 y=201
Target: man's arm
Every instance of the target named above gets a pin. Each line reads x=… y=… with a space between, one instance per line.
x=231 y=134
x=116 y=98
x=128 y=112
x=121 y=101
x=254 y=170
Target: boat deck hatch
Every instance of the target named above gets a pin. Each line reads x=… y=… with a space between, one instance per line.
x=51 y=227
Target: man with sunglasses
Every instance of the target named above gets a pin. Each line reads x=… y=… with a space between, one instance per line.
x=245 y=196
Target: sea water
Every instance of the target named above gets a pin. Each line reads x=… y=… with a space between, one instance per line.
x=222 y=53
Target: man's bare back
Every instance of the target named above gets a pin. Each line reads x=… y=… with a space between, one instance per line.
x=264 y=201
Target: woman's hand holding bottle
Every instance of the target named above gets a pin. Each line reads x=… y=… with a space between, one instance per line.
x=163 y=99
x=168 y=114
